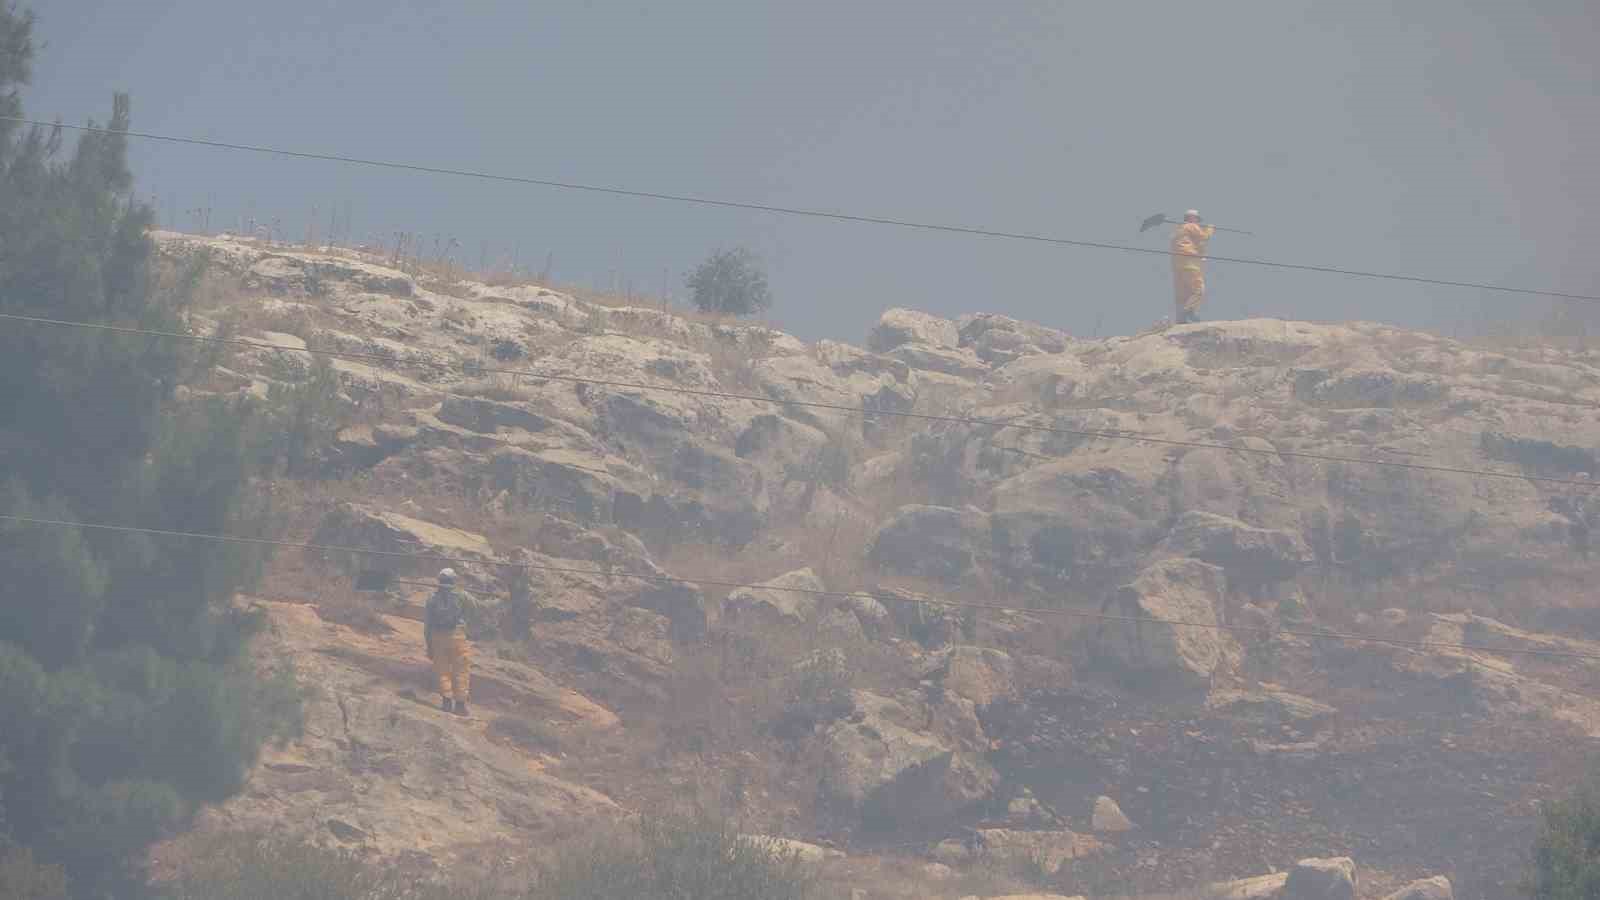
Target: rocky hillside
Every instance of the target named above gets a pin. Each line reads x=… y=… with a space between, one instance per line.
x=919 y=748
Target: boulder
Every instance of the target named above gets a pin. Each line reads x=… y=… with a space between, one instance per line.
x=998 y=339
x=1250 y=556
x=935 y=542
x=1080 y=521
x=900 y=326
x=789 y=599
x=1435 y=888
x=840 y=626
x=961 y=363
x=1108 y=818
x=1025 y=809
x=1176 y=590
x=1322 y=879
x=490 y=416
x=979 y=674
x=1269 y=705
x=927 y=622
x=1260 y=887
x=574 y=485
x=800 y=850
x=880 y=767
x=1049 y=850
x=363 y=527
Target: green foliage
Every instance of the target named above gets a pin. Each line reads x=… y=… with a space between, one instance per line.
x=677 y=860
x=1566 y=855
x=303 y=417
x=730 y=282
x=125 y=693
x=265 y=867
x=661 y=860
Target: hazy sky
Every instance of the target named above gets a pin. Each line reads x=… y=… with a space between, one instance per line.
x=1458 y=139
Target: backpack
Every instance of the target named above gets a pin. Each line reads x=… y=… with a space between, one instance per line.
x=444 y=610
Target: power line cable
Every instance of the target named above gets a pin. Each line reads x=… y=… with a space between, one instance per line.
x=795 y=211
x=815 y=404
x=846 y=595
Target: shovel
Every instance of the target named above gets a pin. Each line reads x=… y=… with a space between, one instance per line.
x=1164 y=219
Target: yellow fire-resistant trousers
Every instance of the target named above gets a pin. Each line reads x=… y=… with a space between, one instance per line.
x=452 y=662
x=1189 y=285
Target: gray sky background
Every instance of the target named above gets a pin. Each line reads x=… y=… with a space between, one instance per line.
x=1451 y=138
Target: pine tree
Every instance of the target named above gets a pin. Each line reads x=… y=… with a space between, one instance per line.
x=124 y=692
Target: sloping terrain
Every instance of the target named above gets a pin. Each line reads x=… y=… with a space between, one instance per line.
x=957 y=748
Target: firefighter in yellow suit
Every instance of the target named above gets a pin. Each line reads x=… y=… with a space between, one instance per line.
x=1188 y=276
x=445 y=633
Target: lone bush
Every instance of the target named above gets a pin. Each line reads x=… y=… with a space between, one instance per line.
x=730 y=282
x=678 y=859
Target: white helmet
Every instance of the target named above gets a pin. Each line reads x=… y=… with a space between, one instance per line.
x=1192 y=214
x=447 y=576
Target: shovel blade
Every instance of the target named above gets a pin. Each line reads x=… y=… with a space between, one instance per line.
x=1151 y=222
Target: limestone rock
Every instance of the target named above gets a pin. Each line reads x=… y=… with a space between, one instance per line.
x=1269 y=705
x=774 y=601
x=393 y=771
x=961 y=363
x=1000 y=339
x=1435 y=888
x=1180 y=590
x=879 y=766
x=1250 y=556
x=1322 y=879
x=1050 y=850
x=800 y=850
x=900 y=326
x=927 y=622
x=1108 y=818
x=364 y=527
x=1260 y=887
x=840 y=626
x=930 y=541
x=980 y=674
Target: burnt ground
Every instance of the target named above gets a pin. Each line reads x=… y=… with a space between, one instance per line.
x=1412 y=781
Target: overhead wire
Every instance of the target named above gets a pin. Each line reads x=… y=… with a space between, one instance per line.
x=819 y=592
x=815 y=404
x=793 y=211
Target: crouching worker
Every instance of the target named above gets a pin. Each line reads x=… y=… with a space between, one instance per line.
x=445 y=632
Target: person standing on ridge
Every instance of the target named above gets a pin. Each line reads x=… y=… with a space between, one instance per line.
x=444 y=631
x=1188 y=276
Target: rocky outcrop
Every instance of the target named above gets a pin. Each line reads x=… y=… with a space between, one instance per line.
x=1231 y=509
x=1269 y=706
x=1435 y=888
x=898 y=327
x=980 y=674
x=1049 y=850
x=880 y=766
x=789 y=599
x=998 y=339
x=379 y=769
x=395 y=537
x=1321 y=879
x=1251 y=557
x=931 y=542
x=1108 y=818
x=1180 y=591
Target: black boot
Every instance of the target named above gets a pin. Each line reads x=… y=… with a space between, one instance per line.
x=447 y=705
